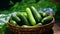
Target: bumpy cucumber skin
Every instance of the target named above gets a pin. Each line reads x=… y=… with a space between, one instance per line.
x=47 y=19
x=15 y=18
x=24 y=20
x=35 y=13
x=30 y=16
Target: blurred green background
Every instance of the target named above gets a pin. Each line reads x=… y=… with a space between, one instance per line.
x=9 y=6
x=17 y=5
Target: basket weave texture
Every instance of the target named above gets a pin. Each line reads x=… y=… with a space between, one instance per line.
x=32 y=29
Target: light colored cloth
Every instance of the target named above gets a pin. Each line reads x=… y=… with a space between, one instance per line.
x=47 y=10
x=3 y=22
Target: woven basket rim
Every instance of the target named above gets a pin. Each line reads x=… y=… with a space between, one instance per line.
x=33 y=26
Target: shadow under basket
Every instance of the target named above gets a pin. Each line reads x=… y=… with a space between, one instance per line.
x=32 y=29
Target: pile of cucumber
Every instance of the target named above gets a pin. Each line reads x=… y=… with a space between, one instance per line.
x=31 y=17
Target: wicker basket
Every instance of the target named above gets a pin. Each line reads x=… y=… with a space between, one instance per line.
x=32 y=29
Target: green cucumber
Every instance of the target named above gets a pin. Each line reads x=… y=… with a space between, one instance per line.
x=24 y=20
x=23 y=13
x=39 y=24
x=13 y=22
x=43 y=15
x=47 y=19
x=35 y=13
x=30 y=16
x=15 y=18
x=24 y=26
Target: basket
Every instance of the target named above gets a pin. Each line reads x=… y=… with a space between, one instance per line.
x=32 y=29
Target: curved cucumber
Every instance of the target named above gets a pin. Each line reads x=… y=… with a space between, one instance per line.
x=30 y=16
x=23 y=13
x=39 y=24
x=43 y=14
x=23 y=19
x=15 y=18
x=13 y=22
x=47 y=19
x=35 y=13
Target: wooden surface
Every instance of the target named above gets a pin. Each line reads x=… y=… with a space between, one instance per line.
x=56 y=28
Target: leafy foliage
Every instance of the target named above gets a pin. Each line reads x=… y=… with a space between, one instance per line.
x=20 y=6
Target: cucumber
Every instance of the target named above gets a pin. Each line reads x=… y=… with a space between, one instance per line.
x=13 y=22
x=15 y=18
x=30 y=17
x=47 y=19
x=23 y=13
x=24 y=20
x=39 y=24
x=35 y=13
x=43 y=15
x=24 y=26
